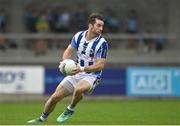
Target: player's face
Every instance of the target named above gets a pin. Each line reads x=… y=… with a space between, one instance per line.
x=98 y=27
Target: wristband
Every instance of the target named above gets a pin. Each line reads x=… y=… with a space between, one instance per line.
x=81 y=69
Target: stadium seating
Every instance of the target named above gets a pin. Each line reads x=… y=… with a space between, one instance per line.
x=155 y=18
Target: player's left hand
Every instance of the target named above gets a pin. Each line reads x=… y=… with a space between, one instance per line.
x=76 y=70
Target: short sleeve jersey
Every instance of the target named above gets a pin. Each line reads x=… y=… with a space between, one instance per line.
x=88 y=51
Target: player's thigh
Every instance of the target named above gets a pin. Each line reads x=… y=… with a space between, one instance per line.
x=61 y=91
x=82 y=86
x=68 y=83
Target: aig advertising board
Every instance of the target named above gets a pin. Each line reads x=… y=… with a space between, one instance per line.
x=153 y=81
x=21 y=79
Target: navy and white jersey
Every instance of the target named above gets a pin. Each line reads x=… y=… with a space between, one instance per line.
x=88 y=51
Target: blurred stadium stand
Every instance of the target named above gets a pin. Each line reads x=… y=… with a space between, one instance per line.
x=160 y=17
x=118 y=53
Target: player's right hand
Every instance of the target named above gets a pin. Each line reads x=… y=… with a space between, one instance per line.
x=61 y=65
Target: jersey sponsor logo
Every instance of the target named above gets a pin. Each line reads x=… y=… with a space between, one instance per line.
x=85 y=57
x=91 y=51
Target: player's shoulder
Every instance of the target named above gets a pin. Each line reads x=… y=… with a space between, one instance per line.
x=103 y=40
x=104 y=43
x=79 y=33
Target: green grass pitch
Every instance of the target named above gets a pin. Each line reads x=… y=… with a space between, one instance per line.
x=97 y=112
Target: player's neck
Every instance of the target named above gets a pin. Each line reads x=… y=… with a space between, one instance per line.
x=89 y=35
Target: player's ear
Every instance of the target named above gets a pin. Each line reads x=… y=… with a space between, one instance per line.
x=90 y=25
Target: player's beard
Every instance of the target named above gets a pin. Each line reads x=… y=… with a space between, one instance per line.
x=97 y=33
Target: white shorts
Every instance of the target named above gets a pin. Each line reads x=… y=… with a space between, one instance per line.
x=69 y=82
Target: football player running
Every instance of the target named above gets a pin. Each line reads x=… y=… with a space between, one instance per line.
x=91 y=49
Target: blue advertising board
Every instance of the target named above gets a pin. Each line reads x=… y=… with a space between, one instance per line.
x=52 y=78
x=113 y=81
x=153 y=81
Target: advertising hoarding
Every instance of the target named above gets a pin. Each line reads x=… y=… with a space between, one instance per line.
x=21 y=79
x=153 y=81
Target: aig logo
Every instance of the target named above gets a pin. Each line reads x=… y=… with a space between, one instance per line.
x=151 y=82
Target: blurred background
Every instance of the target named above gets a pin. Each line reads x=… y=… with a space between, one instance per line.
x=143 y=37
x=141 y=81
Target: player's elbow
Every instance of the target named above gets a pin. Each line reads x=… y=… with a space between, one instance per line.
x=101 y=66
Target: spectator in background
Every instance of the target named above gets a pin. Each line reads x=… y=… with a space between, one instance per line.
x=111 y=20
x=30 y=18
x=81 y=17
x=63 y=21
x=160 y=43
x=42 y=26
x=132 y=24
x=2 y=21
x=149 y=43
x=153 y=45
x=2 y=44
x=51 y=17
x=40 y=47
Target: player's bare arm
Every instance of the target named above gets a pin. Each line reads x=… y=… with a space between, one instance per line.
x=68 y=52
x=98 y=66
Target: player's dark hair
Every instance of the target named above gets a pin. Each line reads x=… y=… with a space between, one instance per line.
x=92 y=18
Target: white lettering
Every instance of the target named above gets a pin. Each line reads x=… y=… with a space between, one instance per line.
x=151 y=82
